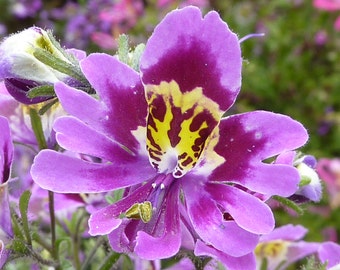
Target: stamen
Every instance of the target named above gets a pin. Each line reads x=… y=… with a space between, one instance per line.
x=251 y=36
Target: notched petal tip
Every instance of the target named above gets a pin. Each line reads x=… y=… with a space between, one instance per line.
x=191 y=59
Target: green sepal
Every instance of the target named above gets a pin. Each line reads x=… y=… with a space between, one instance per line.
x=47 y=106
x=37 y=128
x=305 y=181
x=57 y=64
x=23 y=207
x=41 y=91
x=16 y=226
x=123 y=48
x=292 y=205
x=313 y=264
x=57 y=45
x=136 y=55
x=19 y=247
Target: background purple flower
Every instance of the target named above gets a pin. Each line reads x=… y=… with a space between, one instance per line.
x=6 y=157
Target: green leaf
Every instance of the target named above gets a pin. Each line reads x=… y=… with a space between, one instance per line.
x=23 y=207
x=110 y=261
x=16 y=225
x=41 y=91
x=37 y=129
x=117 y=195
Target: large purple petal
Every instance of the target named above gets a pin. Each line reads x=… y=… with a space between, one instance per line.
x=120 y=89
x=74 y=135
x=208 y=221
x=60 y=173
x=249 y=212
x=246 y=262
x=245 y=140
x=194 y=52
x=81 y=105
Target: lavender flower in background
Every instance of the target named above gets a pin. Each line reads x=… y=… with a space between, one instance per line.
x=18 y=116
x=310 y=183
x=284 y=246
x=25 y=8
x=99 y=22
x=183 y=166
x=6 y=157
x=329 y=171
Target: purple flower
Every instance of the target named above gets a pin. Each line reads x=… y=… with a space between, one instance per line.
x=284 y=246
x=18 y=115
x=329 y=171
x=186 y=170
x=26 y=8
x=6 y=157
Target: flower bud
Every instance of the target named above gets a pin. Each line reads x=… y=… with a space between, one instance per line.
x=310 y=184
x=33 y=58
x=17 y=59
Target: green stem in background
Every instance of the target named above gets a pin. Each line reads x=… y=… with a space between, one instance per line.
x=39 y=134
x=76 y=242
x=55 y=253
x=99 y=242
x=37 y=129
x=109 y=261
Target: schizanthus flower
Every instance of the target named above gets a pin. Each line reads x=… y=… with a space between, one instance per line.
x=189 y=173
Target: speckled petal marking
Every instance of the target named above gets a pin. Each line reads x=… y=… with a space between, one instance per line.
x=178 y=126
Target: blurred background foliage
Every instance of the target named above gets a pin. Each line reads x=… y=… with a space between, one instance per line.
x=294 y=69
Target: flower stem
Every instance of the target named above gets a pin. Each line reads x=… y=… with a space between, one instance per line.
x=54 y=250
x=76 y=243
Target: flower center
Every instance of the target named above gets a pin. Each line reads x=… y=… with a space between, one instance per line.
x=275 y=250
x=178 y=126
